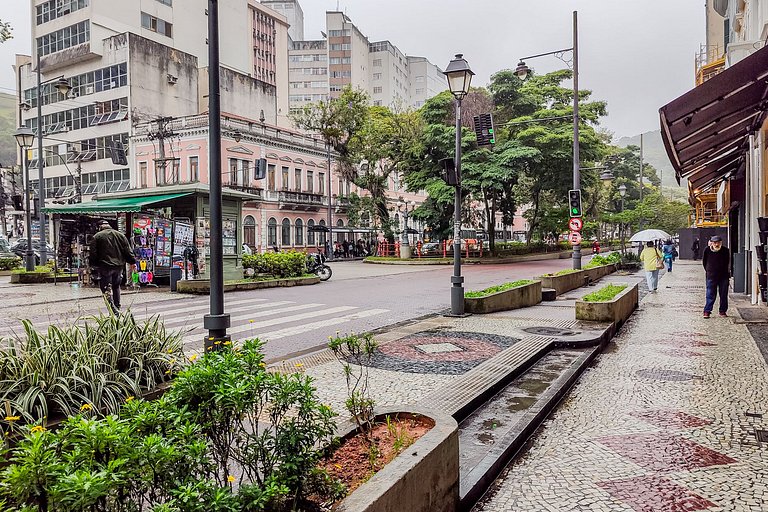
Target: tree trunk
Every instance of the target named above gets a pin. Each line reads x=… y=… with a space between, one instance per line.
x=534 y=217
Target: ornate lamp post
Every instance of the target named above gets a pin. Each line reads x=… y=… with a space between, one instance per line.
x=459 y=77
x=25 y=138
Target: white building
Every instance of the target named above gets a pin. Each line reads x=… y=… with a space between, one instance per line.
x=426 y=80
x=388 y=75
x=131 y=62
x=293 y=12
x=308 y=72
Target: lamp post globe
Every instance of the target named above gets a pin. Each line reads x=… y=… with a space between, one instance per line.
x=522 y=70
x=62 y=85
x=622 y=190
x=459 y=76
x=24 y=136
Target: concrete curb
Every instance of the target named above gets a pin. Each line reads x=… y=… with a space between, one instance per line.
x=203 y=286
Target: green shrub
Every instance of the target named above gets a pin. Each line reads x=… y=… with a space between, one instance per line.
x=605 y=294
x=228 y=437
x=277 y=264
x=10 y=263
x=562 y=272
x=43 y=269
x=94 y=364
x=498 y=288
x=598 y=260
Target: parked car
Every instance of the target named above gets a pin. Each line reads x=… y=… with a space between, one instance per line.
x=19 y=248
x=432 y=249
x=5 y=249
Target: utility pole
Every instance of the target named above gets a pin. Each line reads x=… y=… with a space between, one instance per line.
x=161 y=162
x=641 y=167
x=3 y=224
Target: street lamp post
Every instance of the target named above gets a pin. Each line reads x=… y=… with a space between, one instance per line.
x=25 y=138
x=522 y=71
x=406 y=207
x=622 y=193
x=217 y=322
x=459 y=79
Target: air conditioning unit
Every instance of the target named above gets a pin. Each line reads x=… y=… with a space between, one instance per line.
x=89 y=89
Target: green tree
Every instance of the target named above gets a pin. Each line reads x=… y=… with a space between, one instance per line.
x=550 y=177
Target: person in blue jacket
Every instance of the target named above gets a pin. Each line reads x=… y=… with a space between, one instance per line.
x=670 y=253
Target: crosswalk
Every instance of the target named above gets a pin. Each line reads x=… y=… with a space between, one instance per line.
x=250 y=317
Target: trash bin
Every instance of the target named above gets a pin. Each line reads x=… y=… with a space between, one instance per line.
x=175 y=277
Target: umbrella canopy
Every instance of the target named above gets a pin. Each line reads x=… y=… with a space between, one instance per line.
x=650 y=235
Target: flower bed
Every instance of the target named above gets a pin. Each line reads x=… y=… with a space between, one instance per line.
x=424 y=478
x=96 y=364
x=567 y=280
x=515 y=295
x=203 y=286
x=278 y=265
x=612 y=303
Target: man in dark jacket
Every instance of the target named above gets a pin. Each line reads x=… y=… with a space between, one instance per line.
x=110 y=251
x=717 y=263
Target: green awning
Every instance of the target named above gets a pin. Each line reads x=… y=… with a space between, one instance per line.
x=119 y=205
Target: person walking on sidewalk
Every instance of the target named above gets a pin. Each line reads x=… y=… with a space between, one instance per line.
x=717 y=263
x=110 y=251
x=695 y=248
x=652 y=263
x=670 y=253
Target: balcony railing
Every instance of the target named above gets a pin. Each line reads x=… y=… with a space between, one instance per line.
x=247 y=189
x=300 y=200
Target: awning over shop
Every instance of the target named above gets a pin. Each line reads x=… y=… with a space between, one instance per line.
x=116 y=205
x=706 y=130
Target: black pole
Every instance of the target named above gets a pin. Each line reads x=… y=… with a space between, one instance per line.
x=576 y=158
x=216 y=322
x=40 y=162
x=29 y=255
x=457 y=281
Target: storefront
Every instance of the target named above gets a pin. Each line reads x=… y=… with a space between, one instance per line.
x=167 y=226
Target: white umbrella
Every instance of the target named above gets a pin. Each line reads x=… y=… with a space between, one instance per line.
x=650 y=235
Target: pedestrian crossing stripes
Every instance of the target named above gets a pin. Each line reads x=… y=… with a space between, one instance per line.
x=249 y=317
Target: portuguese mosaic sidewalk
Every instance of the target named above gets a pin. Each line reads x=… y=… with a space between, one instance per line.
x=669 y=419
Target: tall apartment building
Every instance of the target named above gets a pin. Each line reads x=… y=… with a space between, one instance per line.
x=131 y=62
x=390 y=77
x=293 y=12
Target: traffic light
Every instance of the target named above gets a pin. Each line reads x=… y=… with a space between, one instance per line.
x=574 y=201
x=484 y=130
x=260 y=170
x=117 y=153
x=449 y=171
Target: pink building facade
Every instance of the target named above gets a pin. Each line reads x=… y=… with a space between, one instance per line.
x=288 y=203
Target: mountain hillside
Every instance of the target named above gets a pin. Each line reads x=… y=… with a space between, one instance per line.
x=655 y=154
x=8 y=148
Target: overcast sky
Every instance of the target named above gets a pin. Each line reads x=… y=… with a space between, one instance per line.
x=635 y=54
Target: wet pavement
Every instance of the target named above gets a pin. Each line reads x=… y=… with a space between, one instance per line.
x=670 y=418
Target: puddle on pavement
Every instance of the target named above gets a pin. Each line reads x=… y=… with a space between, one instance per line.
x=480 y=432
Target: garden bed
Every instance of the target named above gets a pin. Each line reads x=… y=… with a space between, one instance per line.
x=423 y=478
x=608 y=304
x=203 y=286
x=519 y=294
x=572 y=279
x=30 y=277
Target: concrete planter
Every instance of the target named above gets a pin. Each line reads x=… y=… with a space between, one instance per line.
x=615 y=311
x=30 y=277
x=567 y=282
x=203 y=286
x=515 y=298
x=424 y=478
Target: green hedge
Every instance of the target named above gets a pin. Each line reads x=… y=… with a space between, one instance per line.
x=605 y=294
x=10 y=263
x=598 y=260
x=280 y=264
x=497 y=288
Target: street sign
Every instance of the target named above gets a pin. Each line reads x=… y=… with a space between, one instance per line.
x=574 y=237
x=486 y=134
x=575 y=224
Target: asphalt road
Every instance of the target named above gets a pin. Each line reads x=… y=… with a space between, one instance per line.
x=359 y=297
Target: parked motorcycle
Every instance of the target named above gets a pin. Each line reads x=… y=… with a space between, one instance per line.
x=316 y=265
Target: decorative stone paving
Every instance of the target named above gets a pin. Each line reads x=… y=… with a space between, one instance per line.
x=667 y=420
x=441 y=352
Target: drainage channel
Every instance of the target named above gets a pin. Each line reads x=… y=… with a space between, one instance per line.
x=491 y=435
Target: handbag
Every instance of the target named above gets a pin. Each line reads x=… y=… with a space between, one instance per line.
x=659 y=261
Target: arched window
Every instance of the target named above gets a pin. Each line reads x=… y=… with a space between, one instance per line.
x=299 y=227
x=340 y=235
x=272 y=232
x=286 y=234
x=310 y=233
x=323 y=234
x=249 y=231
